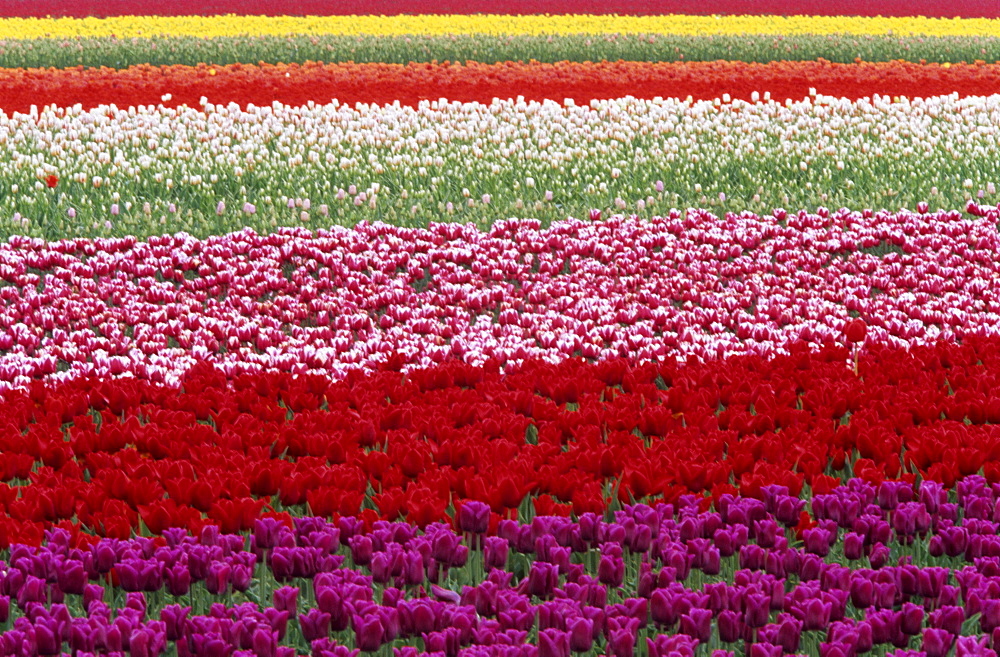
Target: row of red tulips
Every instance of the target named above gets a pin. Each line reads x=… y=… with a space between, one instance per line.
x=474 y=82
x=567 y=438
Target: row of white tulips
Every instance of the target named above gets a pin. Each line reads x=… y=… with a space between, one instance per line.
x=215 y=169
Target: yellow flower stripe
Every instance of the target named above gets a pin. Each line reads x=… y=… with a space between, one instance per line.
x=233 y=25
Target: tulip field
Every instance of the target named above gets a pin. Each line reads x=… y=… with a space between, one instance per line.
x=527 y=329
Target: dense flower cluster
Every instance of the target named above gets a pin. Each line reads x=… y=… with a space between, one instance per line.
x=276 y=407
x=204 y=170
x=892 y=566
x=386 y=84
x=104 y=8
x=347 y=299
x=113 y=52
x=490 y=24
x=103 y=455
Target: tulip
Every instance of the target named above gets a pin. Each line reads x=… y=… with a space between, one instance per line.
x=71 y=577
x=936 y=643
x=757 y=610
x=663 y=645
x=835 y=650
x=697 y=624
x=47 y=640
x=911 y=619
x=970 y=646
x=495 y=553
x=285 y=598
x=553 y=643
x=474 y=517
x=621 y=643
x=611 y=571
x=816 y=614
x=581 y=634
x=315 y=624
x=948 y=618
x=789 y=633
x=542 y=579
x=730 y=626
x=361 y=549
x=764 y=650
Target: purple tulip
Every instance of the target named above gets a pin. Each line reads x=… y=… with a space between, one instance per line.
x=836 y=650
x=369 y=632
x=581 y=634
x=862 y=592
x=264 y=643
x=911 y=619
x=854 y=546
x=949 y=619
x=266 y=532
x=49 y=642
x=178 y=580
x=361 y=549
x=663 y=608
x=542 y=579
x=758 y=610
x=762 y=649
x=495 y=552
x=621 y=643
x=413 y=569
x=730 y=626
x=789 y=633
x=815 y=614
x=990 y=615
x=697 y=623
x=71 y=577
x=33 y=590
x=611 y=571
x=931 y=581
x=954 y=540
x=315 y=624
x=879 y=555
x=766 y=533
x=971 y=646
x=474 y=517
x=788 y=509
x=147 y=642
x=286 y=599
x=676 y=645
x=241 y=578
x=553 y=643
x=219 y=576
x=937 y=642
x=817 y=541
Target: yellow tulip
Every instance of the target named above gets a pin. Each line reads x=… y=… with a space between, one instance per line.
x=233 y=25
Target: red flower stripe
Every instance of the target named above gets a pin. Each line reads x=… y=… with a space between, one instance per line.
x=108 y=453
x=385 y=83
x=931 y=8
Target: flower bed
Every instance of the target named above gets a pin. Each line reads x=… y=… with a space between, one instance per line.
x=387 y=84
x=212 y=169
x=671 y=579
x=341 y=300
x=314 y=341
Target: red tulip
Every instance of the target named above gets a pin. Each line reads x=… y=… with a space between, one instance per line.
x=856 y=331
